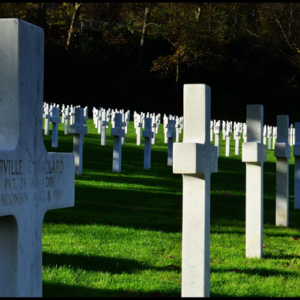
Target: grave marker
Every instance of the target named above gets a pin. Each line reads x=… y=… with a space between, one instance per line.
x=32 y=181
x=55 y=120
x=148 y=135
x=103 y=125
x=171 y=137
x=47 y=117
x=117 y=132
x=297 y=167
x=282 y=153
x=196 y=170
x=79 y=129
x=254 y=155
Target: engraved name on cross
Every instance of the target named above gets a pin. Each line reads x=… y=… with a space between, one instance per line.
x=196 y=159
x=32 y=181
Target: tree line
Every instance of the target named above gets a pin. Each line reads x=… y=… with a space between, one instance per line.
x=247 y=52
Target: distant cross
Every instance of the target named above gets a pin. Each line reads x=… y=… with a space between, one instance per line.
x=32 y=181
x=47 y=116
x=55 y=120
x=196 y=159
x=171 y=137
x=79 y=129
x=117 y=132
x=67 y=118
x=254 y=155
x=103 y=125
x=148 y=134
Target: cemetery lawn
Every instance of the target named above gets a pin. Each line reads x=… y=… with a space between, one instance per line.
x=123 y=237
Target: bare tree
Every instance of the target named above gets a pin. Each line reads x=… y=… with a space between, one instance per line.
x=148 y=9
x=71 y=30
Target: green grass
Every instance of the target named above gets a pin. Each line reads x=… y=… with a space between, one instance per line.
x=102 y=248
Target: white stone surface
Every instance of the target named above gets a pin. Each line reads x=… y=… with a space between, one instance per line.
x=154 y=125
x=274 y=137
x=47 y=117
x=55 y=120
x=217 y=136
x=282 y=153
x=103 y=124
x=79 y=129
x=32 y=180
x=297 y=167
x=117 y=132
x=171 y=137
x=196 y=170
x=147 y=134
x=138 y=130
x=228 y=137
x=269 y=134
x=254 y=154
x=67 y=118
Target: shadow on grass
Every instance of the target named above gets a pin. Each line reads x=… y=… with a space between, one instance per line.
x=100 y=264
x=64 y=290
x=159 y=212
x=281 y=256
x=263 y=272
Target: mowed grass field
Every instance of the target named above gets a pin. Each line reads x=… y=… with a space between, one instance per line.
x=123 y=236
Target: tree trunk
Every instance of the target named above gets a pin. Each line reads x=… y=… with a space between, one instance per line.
x=178 y=102
x=71 y=31
x=198 y=13
x=148 y=9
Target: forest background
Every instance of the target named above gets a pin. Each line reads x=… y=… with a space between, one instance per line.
x=137 y=56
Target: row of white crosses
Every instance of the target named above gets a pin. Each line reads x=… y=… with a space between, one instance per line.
x=240 y=129
x=78 y=117
x=196 y=170
x=139 y=123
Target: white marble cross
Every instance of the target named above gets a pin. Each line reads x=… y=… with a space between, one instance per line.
x=211 y=131
x=171 y=137
x=55 y=120
x=217 y=136
x=223 y=129
x=103 y=125
x=228 y=137
x=32 y=181
x=202 y=161
x=79 y=129
x=274 y=137
x=138 y=129
x=265 y=134
x=269 y=133
x=66 y=118
x=237 y=134
x=153 y=128
x=117 y=132
x=245 y=132
x=47 y=117
x=254 y=155
x=282 y=153
x=166 y=121
x=86 y=114
x=297 y=166
x=148 y=134
x=291 y=135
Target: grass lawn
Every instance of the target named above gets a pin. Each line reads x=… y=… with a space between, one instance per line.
x=123 y=237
